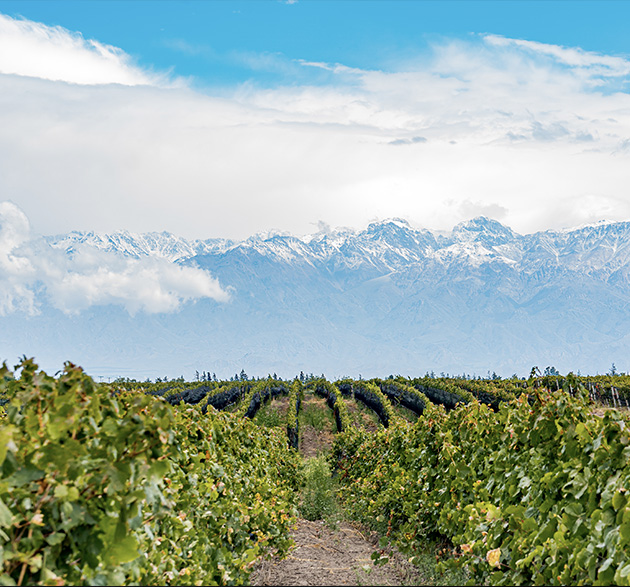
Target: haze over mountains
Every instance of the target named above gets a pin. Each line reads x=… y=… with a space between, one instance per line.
x=386 y=299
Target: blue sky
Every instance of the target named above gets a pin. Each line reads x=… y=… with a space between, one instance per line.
x=213 y=40
x=221 y=119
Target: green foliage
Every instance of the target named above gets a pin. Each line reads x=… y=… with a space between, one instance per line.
x=432 y=563
x=77 y=467
x=532 y=494
x=318 y=495
x=401 y=394
x=233 y=485
x=341 y=412
x=334 y=400
x=374 y=398
x=296 y=394
x=260 y=393
x=103 y=484
x=102 y=488
x=364 y=414
x=269 y=416
x=295 y=399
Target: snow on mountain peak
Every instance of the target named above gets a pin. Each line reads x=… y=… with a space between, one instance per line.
x=157 y=244
x=389 y=223
x=595 y=226
x=265 y=235
x=485 y=230
x=391 y=244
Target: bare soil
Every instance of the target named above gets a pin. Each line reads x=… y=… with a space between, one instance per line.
x=279 y=404
x=601 y=410
x=362 y=416
x=312 y=440
x=322 y=556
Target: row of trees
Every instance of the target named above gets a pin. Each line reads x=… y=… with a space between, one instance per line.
x=549 y=371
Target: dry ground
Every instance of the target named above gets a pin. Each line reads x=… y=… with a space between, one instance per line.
x=322 y=556
x=312 y=440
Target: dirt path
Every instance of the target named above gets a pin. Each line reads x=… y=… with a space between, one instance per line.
x=314 y=441
x=322 y=556
x=281 y=405
x=361 y=415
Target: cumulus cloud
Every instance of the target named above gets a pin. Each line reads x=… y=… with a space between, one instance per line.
x=148 y=285
x=33 y=49
x=16 y=270
x=31 y=267
x=506 y=122
x=492 y=210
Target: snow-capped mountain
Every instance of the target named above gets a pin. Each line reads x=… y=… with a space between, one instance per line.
x=136 y=246
x=387 y=299
x=390 y=245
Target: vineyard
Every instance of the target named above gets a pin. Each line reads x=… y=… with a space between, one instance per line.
x=524 y=481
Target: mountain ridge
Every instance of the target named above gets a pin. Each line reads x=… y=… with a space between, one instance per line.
x=389 y=298
x=494 y=239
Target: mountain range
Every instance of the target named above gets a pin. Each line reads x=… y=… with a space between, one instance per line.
x=389 y=299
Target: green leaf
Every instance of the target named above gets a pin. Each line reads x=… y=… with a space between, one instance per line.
x=624 y=532
x=582 y=432
x=574 y=509
x=123 y=551
x=6 y=516
x=55 y=538
x=61 y=491
x=158 y=469
x=606 y=573
x=24 y=476
x=622 y=575
x=618 y=500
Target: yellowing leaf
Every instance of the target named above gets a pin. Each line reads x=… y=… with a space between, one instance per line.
x=5 y=441
x=493 y=556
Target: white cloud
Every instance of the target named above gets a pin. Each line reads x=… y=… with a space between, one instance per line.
x=511 y=126
x=472 y=209
x=90 y=276
x=148 y=285
x=33 y=49
x=596 y=63
x=16 y=271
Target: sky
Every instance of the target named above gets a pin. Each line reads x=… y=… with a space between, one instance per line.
x=223 y=119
